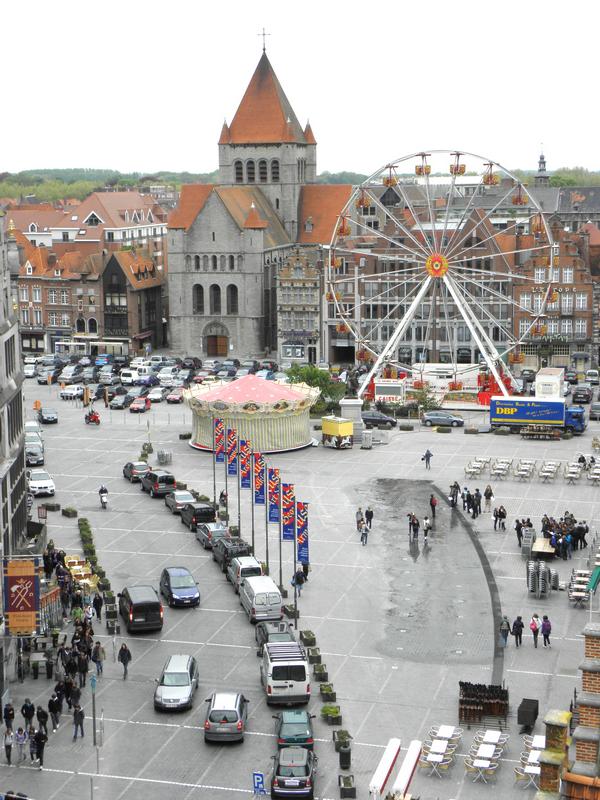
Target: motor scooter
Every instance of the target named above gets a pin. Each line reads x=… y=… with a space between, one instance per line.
x=104 y=501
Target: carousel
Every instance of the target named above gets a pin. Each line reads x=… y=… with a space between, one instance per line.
x=273 y=416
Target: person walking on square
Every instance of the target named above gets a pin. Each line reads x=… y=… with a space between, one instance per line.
x=546 y=628
x=369 y=517
x=496 y=518
x=9 y=740
x=427 y=456
x=364 y=535
x=98 y=657
x=519 y=531
x=517 y=631
x=426 y=528
x=534 y=627
x=9 y=716
x=28 y=712
x=21 y=739
x=82 y=667
x=504 y=629
x=359 y=518
x=298 y=580
x=477 y=503
x=78 y=717
x=124 y=657
x=415 y=525
x=40 y=744
x=42 y=718
x=432 y=504
x=502 y=517
x=488 y=496
x=98 y=602
x=54 y=711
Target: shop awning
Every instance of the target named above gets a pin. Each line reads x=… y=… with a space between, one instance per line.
x=144 y=335
x=594 y=580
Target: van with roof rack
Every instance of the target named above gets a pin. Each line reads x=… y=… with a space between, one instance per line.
x=284 y=673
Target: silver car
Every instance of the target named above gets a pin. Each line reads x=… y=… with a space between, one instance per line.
x=177 y=685
x=226 y=716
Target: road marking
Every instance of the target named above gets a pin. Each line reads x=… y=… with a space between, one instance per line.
x=545 y=674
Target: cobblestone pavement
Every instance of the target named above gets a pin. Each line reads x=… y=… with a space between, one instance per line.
x=398 y=624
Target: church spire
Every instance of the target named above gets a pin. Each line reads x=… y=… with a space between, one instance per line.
x=541 y=178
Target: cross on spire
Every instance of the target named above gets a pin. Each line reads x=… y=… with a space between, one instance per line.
x=264 y=37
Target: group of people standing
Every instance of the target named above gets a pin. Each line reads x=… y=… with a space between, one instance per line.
x=364 y=523
x=536 y=626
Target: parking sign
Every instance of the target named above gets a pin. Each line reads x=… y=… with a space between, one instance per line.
x=258 y=783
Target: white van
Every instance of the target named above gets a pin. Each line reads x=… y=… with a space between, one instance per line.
x=592 y=376
x=243 y=567
x=167 y=375
x=261 y=599
x=143 y=372
x=129 y=376
x=284 y=673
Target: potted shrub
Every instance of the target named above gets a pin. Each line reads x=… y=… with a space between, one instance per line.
x=327 y=693
x=320 y=672
x=69 y=512
x=147 y=447
x=234 y=530
x=185 y=436
x=292 y=613
x=103 y=584
x=52 y=506
x=181 y=485
x=331 y=714
x=143 y=457
x=347 y=787
x=202 y=498
x=341 y=738
x=314 y=655
x=443 y=429
x=265 y=567
x=308 y=638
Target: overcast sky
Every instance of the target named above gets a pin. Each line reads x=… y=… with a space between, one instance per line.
x=141 y=85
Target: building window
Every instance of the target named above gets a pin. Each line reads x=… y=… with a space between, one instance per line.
x=37 y=294
x=37 y=316
x=64 y=297
x=566 y=327
x=110 y=236
x=92 y=325
x=65 y=320
x=275 y=170
x=65 y=236
x=250 y=171
x=214 y=262
x=566 y=304
x=537 y=303
x=567 y=274
x=53 y=319
x=539 y=274
x=52 y=295
x=581 y=301
x=198 y=299
x=277 y=204
x=80 y=325
x=232 y=299
x=215 y=299
x=205 y=262
x=24 y=294
x=231 y=262
x=552 y=327
x=239 y=172
x=526 y=301
x=196 y=262
x=524 y=325
x=25 y=316
x=223 y=263
x=240 y=261
x=581 y=328
x=188 y=262
x=262 y=171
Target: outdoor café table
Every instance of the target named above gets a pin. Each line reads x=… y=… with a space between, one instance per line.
x=439 y=746
x=486 y=750
x=533 y=772
x=491 y=737
x=480 y=765
x=445 y=732
x=434 y=759
x=538 y=742
x=534 y=756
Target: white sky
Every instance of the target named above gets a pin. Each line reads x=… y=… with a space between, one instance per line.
x=142 y=85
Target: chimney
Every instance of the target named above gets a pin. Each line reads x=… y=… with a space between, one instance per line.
x=52 y=259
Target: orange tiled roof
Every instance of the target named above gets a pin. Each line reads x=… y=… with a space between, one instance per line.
x=224 y=138
x=135 y=267
x=253 y=219
x=265 y=115
x=309 y=135
x=192 y=199
x=321 y=203
x=238 y=201
x=593 y=233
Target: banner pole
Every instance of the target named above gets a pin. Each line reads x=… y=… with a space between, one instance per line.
x=266 y=479
x=226 y=461
x=252 y=498
x=214 y=464
x=295 y=553
x=239 y=478
x=280 y=533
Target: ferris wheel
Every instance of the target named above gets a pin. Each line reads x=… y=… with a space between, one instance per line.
x=439 y=249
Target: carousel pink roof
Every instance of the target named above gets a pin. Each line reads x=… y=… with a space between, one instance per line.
x=252 y=388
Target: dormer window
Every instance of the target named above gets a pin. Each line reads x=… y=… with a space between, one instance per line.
x=29 y=269
x=57 y=273
x=93 y=220
x=33 y=228
x=308 y=225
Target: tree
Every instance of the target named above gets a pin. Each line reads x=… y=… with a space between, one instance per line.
x=425 y=399
x=318 y=378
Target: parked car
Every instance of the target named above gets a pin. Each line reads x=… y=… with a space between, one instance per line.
x=250 y=364
x=35 y=438
x=34 y=455
x=191 y=362
x=148 y=380
x=230 y=362
x=528 y=375
x=47 y=416
x=207 y=533
x=265 y=374
x=121 y=401
x=158 y=482
x=48 y=375
x=281 y=377
x=29 y=371
x=133 y=470
x=194 y=513
x=267 y=364
x=90 y=375
x=566 y=389
x=110 y=391
x=201 y=376
x=176 y=500
x=137 y=391
x=71 y=374
x=157 y=394
x=121 y=362
x=32 y=426
x=266 y=632
x=571 y=376
x=40 y=483
x=376 y=419
x=242 y=372
x=226 y=715
x=177 y=684
x=294 y=770
x=240 y=568
x=582 y=393
x=294 y=729
x=225 y=549
x=226 y=373
x=211 y=365
x=73 y=392
x=109 y=378
x=175 y=395
x=140 y=405
x=442 y=418
x=595 y=411
x=178 y=587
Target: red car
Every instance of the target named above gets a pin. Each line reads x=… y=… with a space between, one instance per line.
x=175 y=395
x=140 y=405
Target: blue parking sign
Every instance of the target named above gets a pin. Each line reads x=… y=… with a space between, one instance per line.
x=258 y=783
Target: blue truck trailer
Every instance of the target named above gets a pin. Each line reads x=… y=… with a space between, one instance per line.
x=517 y=412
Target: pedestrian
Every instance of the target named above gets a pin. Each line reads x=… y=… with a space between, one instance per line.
x=88 y=614
x=78 y=717
x=40 y=743
x=305 y=570
x=369 y=517
x=504 y=629
x=298 y=580
x=534 y=627
x=54 y=710
x=426 y=528
x=488 y=496
x=9 y=740
x=83 y=666
x=427 y=456
x=42 y=718
x=464 y=495
x=496 y=517
x=569 y=542
x=68 y=687
x=21 y=739
x=415 y=527
x=98 y=602
x=502 y=517
x=477 y=503
x=364 y=535
x=124 y=657
x=546 y=630
x=98 y=657
x=432 y=504
x=517 y=631
x=59 y=691
x=28 y=712
x=410 y=516
x=9 y=715
x=75 y=695
x=359 y=519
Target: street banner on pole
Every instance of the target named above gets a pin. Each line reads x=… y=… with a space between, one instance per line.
x=245 y=464
x=259 y=479
x=302 y=532
x=288 y=510
x=232 y=452
x=21 y=596
x=219 y=441
x=274 y=489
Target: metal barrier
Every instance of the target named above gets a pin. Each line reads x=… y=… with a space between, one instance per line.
x=384 y=769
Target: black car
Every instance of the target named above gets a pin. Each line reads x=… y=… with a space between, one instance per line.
x=34 y=455
x=226 y=549
x=251 y=365
x=51 y=373
x=178 y=587
x=266 y=632
x=111 y=391
x=376 y=419
x=192 y=514
x=158 y=482
x=121 y=401
x=527 y=375
x=90 y=375
x=294 y=771
x=583 y=393
x=121 y=362
x=191 y=362
x=47 y=416
x=138 y=391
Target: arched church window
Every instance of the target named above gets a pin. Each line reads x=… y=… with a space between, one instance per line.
x=250 y=171
x=239 y=172
x=275 y=170
x=262 y=171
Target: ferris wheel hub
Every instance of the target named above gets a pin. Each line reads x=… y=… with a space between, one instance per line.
x=436 y=265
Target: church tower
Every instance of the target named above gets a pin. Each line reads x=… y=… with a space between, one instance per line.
x=541 y=177
x=266 y=146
